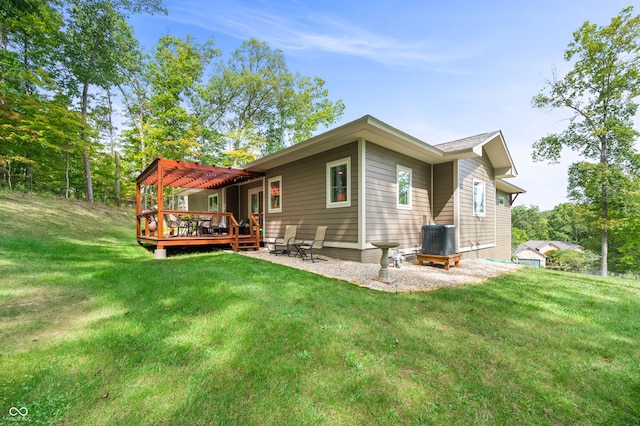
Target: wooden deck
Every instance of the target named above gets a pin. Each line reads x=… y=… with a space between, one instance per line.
x=155 y=224
x=239 y=242
x=234 y=236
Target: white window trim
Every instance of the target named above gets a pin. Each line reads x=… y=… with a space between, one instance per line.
x=347 y=202
x=214 y=195
x=270 y=204
x=409 y=204
x=484 y=196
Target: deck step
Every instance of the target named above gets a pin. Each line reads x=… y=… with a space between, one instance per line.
x=248 y=245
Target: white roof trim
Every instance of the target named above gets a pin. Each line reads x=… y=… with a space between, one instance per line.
x=508 y=187
x=377 y=132
x=368 y=128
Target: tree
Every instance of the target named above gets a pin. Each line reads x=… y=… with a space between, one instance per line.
x=599 y=91
x=103 y=120
x=257 y=106
x=572 y=260
x=518 y=236
x=174 y=75
x=29 y=31
x=98 y=38
x=531 y=221
x=626 y=233
x=570 y=222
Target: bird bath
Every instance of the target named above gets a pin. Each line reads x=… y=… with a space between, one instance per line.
x=383 y=275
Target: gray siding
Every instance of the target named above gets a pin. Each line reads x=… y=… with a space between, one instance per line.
x=200 y=200
x=304 y=198
x=384 y=220
x=476 y=230
x=443 y=190
x=503 y=231
x=346 y=254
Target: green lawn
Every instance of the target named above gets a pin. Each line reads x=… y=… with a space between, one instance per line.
x=93 y=330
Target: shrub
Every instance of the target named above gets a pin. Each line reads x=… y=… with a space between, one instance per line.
x=571 y=260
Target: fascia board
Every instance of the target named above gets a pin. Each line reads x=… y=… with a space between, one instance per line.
x=369 y=128
x=508 y=187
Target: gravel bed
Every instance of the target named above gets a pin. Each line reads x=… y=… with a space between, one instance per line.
x=411 y=277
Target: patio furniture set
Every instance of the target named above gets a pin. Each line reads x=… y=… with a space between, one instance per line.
x=290 y=245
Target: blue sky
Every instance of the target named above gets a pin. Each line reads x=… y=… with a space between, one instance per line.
x=438 y=70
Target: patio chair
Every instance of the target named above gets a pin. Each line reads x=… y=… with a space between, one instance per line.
x=283 y=245
x=305 y=248
x=174 y=222
x=211 y=226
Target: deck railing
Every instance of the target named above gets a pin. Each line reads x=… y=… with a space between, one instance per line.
x=154 y=225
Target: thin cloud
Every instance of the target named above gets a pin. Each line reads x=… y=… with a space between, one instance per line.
x=327 y=34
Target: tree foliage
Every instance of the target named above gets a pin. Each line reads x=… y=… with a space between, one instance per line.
x=31 y=116
x=61 y=61
x=230 y=113
x=173 y=74
x=572 y=223
x=600 y=93
x=625 y=234
x=56 y=57
x=571 y=260
x=258 y=107
x=99 y=42
x=527 y=223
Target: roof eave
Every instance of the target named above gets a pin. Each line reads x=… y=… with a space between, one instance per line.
x=367 y=128
x=496 y=148
x=501 y=156
x=508 y=187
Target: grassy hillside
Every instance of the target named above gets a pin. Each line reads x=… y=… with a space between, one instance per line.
x=93 y=330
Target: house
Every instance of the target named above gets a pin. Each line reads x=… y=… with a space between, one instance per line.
x=533 y=252
x=370 y=182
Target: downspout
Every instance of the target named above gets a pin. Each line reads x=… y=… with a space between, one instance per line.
x=495 y=217
x=362 y=199
x=456 y=202
x=430 y=196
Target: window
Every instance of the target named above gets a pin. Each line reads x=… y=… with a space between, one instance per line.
x=403 y=187
x=275 y=194
x=478 y=198
x=214 y=203
x=339 y=183
x=501 y=200
x=255 y=204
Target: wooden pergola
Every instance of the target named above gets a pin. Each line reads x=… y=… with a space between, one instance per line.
x=163 y=173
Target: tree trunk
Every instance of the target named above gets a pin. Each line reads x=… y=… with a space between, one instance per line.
x=604 y=243
x=117 y=158
x=116 y=154
x=604 y=247
x=604 y=240
x=87 y=176
x=9 y=175
x=85 y=101
x=85 y=156
x=66 y=172
x=141 y=134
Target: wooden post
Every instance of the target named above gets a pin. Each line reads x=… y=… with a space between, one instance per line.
x=160 y=207
x=138 y=209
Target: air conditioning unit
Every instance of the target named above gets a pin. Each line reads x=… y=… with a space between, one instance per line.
x=439 y=239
